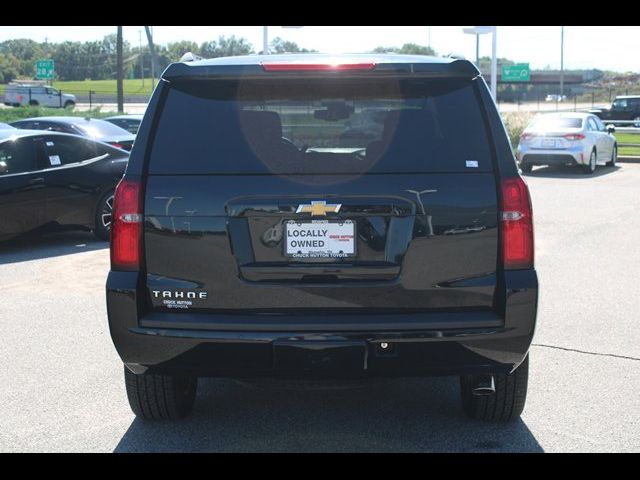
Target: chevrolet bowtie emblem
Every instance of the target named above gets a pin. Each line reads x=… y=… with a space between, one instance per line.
x=318 y=208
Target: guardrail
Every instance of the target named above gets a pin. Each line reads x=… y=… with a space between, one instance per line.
x=631 y=129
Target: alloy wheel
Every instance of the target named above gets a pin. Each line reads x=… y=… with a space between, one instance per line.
x=107 y=212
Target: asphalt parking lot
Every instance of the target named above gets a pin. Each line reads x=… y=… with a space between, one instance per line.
x=61 y=385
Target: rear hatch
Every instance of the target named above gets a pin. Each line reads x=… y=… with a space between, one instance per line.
x=341 y=193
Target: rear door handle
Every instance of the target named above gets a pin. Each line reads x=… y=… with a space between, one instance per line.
x=36 y=181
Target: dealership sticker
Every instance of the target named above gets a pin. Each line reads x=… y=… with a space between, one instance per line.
x=49 y=144
x=54 y=160
x=472 y=164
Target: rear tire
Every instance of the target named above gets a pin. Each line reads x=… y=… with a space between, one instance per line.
x=69 y=104
x=614 y=157
x=33 y=103
x=591 y=166
x=503 y=406
x=160 y=397
x=526 y=167
x=103 y=220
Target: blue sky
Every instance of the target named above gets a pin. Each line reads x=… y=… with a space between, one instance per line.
x=610 y=48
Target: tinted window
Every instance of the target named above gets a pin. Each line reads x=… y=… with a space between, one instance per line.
x=321 y=126
x=129 y=125
x=24 y=124
x=620 y=103
x=98 y=129
x=55 y=127
x=19 y=156
x=65 y=150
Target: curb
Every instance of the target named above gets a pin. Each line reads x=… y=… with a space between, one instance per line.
x=628 y=159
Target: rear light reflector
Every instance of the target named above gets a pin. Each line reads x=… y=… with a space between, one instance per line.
x=126 y=227
x=574 y=136
x=312 y=67
x=117 y=145
x=516 y=220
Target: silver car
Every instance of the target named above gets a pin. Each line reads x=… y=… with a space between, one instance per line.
x=567 y=139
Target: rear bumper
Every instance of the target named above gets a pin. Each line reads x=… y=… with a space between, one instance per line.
x=345 y=345
x=568 y=156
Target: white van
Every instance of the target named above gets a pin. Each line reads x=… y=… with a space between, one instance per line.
x=36 y=93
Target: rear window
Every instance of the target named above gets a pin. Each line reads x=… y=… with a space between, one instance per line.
x=99 y=129
x=557 y=122
x=320 y=126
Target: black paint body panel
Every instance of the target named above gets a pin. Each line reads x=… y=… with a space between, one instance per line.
x=427 y=278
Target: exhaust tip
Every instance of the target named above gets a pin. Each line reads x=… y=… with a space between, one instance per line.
x=485 y=385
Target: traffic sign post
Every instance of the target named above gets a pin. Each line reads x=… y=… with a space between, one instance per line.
x=516 y=73
x=44 y=69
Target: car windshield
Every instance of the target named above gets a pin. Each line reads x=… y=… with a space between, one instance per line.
x=99 y=129
x=548 y=123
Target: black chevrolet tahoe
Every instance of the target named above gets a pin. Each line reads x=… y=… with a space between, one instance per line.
x=253 y=238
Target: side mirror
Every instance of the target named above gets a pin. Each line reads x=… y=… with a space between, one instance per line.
x=611 y=129
x=3 y=168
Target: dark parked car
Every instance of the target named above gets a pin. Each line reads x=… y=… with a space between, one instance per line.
x=51 y=179
x=251 y=238
x=625 y=107
x=92 y=128
x=131 y=123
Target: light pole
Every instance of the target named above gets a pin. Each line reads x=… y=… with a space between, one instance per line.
x=494 y=59
x=141 y=57
x=561 y=62
x=265 y=38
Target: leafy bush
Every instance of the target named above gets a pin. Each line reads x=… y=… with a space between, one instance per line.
x=516 y=122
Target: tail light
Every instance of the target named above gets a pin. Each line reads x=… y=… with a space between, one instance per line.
x=574 y=136
x=310 y=67
x=126 y=226
x=527 y=136
x=517 y=224
x=117 y=145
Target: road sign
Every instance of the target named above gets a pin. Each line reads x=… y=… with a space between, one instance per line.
x=44 y=69
x=516 y=73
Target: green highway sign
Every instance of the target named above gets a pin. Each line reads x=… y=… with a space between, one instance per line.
x=44 y=69
x=519 y=72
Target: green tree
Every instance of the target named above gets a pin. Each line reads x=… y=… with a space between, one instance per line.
x=278 y=45
x=9 y=68
x=26 y=52
x=407 y=48
x=485 y=63
x=225 y=47
x=175 y=50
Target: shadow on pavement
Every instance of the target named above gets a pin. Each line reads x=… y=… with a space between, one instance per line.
x=403 y=415
x=560 y=171
x=34 y=247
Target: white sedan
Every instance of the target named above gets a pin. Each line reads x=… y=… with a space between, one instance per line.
x=567 y=139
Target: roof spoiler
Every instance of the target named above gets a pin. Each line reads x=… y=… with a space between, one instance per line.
x=187 y=70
